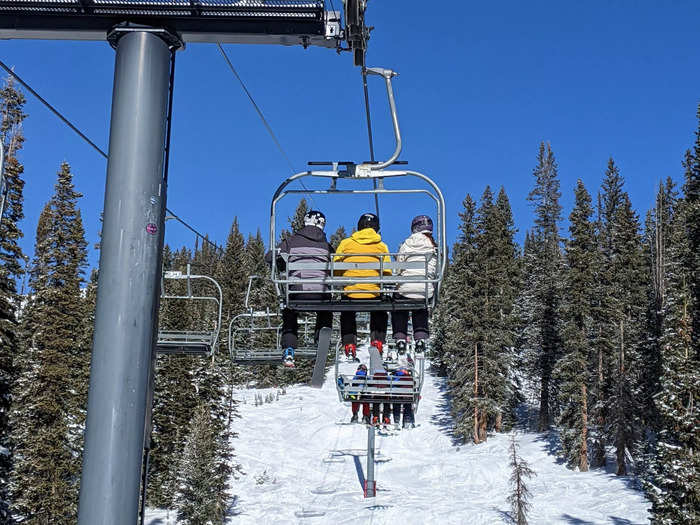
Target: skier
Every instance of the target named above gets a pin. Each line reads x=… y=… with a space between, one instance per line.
x=418 y=247
x=360 y=379
x=308 y=244
x=367 y=242
x=403 y=375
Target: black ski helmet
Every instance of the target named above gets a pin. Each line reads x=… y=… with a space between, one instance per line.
x=368 y=220
x=315 y=218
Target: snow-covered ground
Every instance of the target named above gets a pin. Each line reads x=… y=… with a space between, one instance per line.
x=422 y=476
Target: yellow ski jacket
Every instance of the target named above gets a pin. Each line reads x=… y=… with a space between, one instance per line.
x=368 y=242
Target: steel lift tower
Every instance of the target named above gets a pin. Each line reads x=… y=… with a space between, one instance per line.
x=146 y=34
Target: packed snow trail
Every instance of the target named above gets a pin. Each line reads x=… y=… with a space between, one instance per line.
x=299 y=463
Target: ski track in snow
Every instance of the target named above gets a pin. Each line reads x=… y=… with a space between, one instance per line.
x=428 y=479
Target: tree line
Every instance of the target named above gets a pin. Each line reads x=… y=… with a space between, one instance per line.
x=600 y=329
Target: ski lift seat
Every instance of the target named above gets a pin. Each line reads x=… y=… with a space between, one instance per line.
x=190 y=342
x=186 y=343
x=268 y=355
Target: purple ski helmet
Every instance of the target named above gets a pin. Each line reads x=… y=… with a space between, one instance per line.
x=422 y=223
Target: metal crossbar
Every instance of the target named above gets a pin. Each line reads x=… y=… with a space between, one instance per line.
x=385 y=281
x=286 y=22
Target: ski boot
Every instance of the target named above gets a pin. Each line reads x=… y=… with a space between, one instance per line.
x=288 y=358
x=375 y=421
x=386 y=422
x=351 y=352
x=408 y=424
x=353 y=419
x=365 y=420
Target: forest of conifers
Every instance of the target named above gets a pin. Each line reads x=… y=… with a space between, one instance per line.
x=591 y=334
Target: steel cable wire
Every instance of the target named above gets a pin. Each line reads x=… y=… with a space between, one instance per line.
x=263 y=119
x=91 y=143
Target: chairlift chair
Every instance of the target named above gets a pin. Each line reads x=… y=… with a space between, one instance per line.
x=190 y=342
x=244 y=329
x=337 y=299
x=390 y=389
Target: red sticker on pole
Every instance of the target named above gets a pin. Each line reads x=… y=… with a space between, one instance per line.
x=151 y=228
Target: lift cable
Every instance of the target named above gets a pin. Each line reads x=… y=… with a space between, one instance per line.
x=369 y=127
x=95 y=146
x=262 y=117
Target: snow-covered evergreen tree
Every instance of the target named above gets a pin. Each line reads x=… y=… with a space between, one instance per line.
x=520 y=495
x=675 y=490
x=199 y=492
x=12 y=113
x=47 y=413
x=547 y=270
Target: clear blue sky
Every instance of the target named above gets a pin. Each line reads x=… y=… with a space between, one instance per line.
x=482 y=83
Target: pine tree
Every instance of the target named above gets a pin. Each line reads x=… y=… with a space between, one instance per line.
x=198 y=494
x=572 y=369
x=47 y=412
x=691 y=190
x=618 y=318
x=11 y=108
x=519 y=497
x=655 y=247
x=675 y=492
x=461 y=353
x=262 y=290
x=296 y=221
x=545 y=197
x=337 y=236
x=231 y=273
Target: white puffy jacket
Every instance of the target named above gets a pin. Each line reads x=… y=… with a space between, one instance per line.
x=415 y=249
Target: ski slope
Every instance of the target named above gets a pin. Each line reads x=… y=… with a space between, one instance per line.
x=422 y=476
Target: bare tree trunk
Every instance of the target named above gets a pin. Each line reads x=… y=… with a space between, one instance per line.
x=498 y=425
x=620 y=440
x=583 y=459
x=482 y=426
x=543 y=424
x=476 y=393
x=598 y=457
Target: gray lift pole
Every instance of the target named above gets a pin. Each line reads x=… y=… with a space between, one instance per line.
x=370 y=483
x=127 y=292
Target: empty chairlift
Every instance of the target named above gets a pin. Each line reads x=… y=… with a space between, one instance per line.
x=202 y=338
x=254 y=336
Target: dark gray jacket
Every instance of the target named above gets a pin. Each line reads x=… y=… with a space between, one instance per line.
x=307 y=245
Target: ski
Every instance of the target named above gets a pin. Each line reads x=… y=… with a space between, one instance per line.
x=324 y=342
